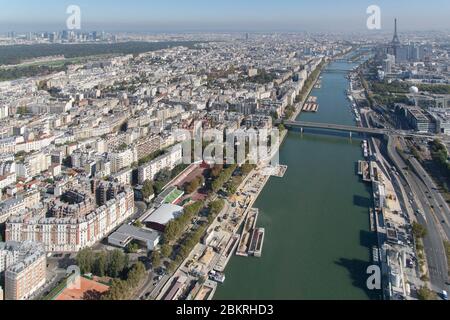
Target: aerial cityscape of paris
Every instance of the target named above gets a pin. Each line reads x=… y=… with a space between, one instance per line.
x=212 y=151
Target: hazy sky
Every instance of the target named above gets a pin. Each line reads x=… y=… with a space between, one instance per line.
x=223 y=15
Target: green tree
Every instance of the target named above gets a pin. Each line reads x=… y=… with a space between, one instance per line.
x=216 y=170
x=158 y=186
x=85 y=260
x=172 y=230
x=164 y=175
x=191 y=186
x=136 y=274
x=117 y=262
x=171 y=267
x=132 y=247
x=419 y=231
x=247 y=168
x=138 y=224
x=215 y=207
x=156 y=259
x=425 y=293
x=100 y=264
x=118 y=290
x=166 y=250
x=147 y=189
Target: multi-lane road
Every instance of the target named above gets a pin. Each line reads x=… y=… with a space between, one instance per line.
x=423 y=201
x=426 y=203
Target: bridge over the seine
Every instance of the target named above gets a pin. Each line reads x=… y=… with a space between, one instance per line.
x=334 y=127
x=352 y=129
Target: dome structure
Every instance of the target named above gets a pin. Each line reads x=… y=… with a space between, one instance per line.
x=413 y=90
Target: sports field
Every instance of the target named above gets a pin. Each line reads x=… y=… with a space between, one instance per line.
x=87 y=290
x=173 y=196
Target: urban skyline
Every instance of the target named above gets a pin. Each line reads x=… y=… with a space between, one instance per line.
x=224 y=163
x=223 y=16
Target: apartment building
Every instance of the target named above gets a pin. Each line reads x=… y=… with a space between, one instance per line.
x=24 y=268
x=33 y=165
x=166 y=161
x=72 y=234
x=18 y=204
x=120 y=160
x=8 y=145
x=147 y=145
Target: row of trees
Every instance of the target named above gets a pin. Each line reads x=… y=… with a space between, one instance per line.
x=176 y=226
x=435 y=88
x=192 y=186
x=289 y=111
x=440 y=156
x=186 y=246
x=312 y=78
x=15 y=54
x=419 y=231
x=30 y=71
x=392 y=87
x=263 y=77
x=425 y=293
x=403 y=87
x=123 y=289
x=220 y=179
x=103 y=263
x=233 y=184
x=194 y=237
x=115 y=265
x=385 y=93
x=390 y=99
x=179 y=252
x=215 y=207
x=447 y=253
x=149 y=157
x=161 y=180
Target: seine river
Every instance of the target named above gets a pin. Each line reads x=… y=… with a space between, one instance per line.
x=318 y=241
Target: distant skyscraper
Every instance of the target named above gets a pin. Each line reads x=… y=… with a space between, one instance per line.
x=247 y=36
x=388 y=63
x=413 y=52
x=402 y=54
x=425 y=51
x=65 y=35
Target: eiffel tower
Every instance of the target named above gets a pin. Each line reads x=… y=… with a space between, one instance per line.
x=395 y=41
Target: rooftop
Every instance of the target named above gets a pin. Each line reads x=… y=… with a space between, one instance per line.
x=164 y=214
x=126 y=233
